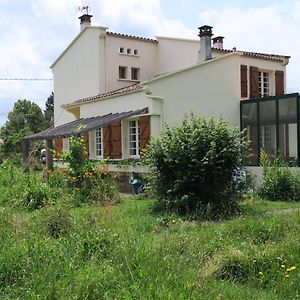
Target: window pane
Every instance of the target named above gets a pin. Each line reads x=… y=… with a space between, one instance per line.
x=288 y=130
x=267 y=118
x=249 y=123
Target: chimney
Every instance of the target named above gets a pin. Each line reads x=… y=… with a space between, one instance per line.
x=85 y=21
x=218 y=42
x=205 y=34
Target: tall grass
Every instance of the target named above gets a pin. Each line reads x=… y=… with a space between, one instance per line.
x=124 y=252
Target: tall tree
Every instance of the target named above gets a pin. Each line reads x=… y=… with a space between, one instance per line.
x=25 y=118
x=49 y=111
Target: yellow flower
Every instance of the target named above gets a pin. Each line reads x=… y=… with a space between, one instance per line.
x=282 y=266
x=261 y=273
x=287 y=275
x=291 y=268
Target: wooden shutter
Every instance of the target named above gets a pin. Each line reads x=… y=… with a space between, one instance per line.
x=116 y=148
x=144 y=124
x=58 y=145
x=86 y=142
x=106 y=141
x=279 y=83
x=244 y=81
x=254 y=89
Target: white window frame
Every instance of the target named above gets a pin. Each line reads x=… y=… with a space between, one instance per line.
x=66 y=144
x=99 y=155
x=264 y=88
x=134 y=137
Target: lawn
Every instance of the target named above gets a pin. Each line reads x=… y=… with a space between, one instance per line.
x=126 y=252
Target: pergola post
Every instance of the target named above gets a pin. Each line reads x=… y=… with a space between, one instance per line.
x=25 y=152
x=49 y=154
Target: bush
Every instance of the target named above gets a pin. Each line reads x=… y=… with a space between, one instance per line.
x=279 y=182
x=87 y=179
x=196 y=165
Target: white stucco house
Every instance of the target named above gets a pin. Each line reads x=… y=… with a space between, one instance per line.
x=124 y=89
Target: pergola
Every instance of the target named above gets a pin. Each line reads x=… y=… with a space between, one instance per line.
x=75 y=128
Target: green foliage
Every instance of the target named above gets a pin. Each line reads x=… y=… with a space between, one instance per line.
x=124 y=252
x=49 y=111
x=87 y=179
x=279 y=182
x=25 y=118
x=196 y=164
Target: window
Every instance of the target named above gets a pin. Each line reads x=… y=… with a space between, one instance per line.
x=135 y=52
x=128 y=51
x=134 y=138
x=135 y=73
x=122 y=72
x=66 y=144
x=98 y=143
x=121 y=50
x=263 y=84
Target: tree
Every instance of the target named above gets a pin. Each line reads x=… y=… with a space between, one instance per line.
x=195 y=165
x=49 y=111
x=25 y=118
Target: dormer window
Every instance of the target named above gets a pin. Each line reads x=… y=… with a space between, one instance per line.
x=128 y=51
x=121 y=50
x=135 y=51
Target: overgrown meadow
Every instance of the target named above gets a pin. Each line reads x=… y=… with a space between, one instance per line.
x=60 y=247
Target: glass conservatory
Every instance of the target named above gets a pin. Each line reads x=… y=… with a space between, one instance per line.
x=272 y=124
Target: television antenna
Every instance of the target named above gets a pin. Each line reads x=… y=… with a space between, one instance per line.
x=84 y=8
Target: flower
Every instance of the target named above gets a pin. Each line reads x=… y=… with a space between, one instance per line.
x=291 y=269
x=261 y=273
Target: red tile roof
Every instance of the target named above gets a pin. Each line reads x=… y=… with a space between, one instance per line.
x=133 y=37
x=125 y=90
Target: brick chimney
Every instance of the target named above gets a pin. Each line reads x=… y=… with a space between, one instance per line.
x=85 y=21
x=205 y=34
x=218 y=42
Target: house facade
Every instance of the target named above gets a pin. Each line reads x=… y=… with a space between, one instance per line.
x=124 y=89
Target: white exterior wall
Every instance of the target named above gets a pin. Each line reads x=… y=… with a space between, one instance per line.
x=174 y=54
x=211 y=90
x=76 y=73
x=146 y=60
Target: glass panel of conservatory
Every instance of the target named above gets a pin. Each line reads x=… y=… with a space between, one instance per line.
x=249 y=124
x=267 y=130
x=288 y=130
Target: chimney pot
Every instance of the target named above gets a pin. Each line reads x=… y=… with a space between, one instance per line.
x=205 y=34
x=218 y=42
x=85 y=21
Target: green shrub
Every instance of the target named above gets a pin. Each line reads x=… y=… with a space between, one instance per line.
x=279 y=182
x=196 y=164
x=87 y=179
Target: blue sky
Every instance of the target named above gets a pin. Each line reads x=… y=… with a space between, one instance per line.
x=34 y=32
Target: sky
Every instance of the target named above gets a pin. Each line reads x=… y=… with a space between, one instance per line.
x=34 y=33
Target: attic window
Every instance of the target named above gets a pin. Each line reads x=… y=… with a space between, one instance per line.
x=121 y=50
x=122 y=72
x=135 y=52
x=128 y=51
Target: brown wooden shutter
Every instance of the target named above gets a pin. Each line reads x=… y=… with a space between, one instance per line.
x=254 y=89
x=116 y=148
x=244 y=81
x=58 y=145
x=279 y=83
x=106 y=141
x=144 y=124
x=86 y=142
